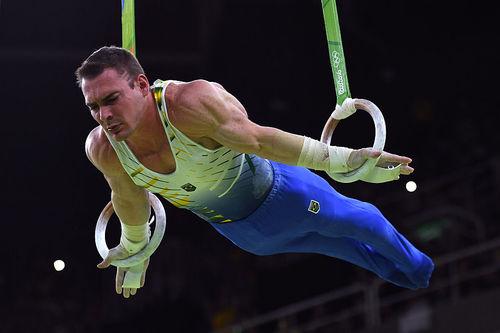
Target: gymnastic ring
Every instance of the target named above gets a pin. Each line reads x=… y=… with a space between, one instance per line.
x=378 y=142
x=146 y=252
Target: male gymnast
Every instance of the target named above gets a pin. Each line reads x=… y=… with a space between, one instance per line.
x=193 y=144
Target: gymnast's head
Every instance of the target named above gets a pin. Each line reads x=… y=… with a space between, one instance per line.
x=115 y=89
x=109 y=57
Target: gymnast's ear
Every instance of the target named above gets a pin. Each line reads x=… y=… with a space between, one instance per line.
x=143 y=84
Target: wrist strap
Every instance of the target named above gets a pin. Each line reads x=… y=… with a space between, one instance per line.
x=320 y=156
x=134 y=237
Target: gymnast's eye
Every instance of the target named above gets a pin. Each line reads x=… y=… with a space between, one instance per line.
x=111 y=100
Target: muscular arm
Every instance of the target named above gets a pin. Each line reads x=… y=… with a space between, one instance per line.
x=131 y=204
x=237 y=132
x=208 y=110
x=130 y=201
x=205 y=110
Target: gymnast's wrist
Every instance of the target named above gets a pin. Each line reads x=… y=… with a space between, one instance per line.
x=317 y=155
x=134 y=237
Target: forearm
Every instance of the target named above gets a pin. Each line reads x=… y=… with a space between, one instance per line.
x=280 y=146
x=134 y=215
x=293 y=149
x=130 y=202
x=241 y=134
x=132 y=211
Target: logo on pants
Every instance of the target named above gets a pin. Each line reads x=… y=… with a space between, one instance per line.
x=314 y=207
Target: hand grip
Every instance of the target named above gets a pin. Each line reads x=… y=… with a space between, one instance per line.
x=132 y=279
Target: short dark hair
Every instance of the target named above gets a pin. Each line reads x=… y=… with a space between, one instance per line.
x=120 y=59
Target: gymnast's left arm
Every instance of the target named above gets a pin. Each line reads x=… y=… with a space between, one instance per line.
x=217 y=114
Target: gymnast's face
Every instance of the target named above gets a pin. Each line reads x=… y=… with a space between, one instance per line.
x=116 y=106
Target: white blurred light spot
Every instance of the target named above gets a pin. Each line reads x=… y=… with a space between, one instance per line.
x=59 y=265
x=411 y=186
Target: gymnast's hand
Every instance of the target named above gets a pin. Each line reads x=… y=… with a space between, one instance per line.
x=118 y=253
x=387 y=160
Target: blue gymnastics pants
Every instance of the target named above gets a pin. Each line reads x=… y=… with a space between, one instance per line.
x=304 y=214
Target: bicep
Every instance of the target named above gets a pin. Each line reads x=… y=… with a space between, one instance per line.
x=220 y=116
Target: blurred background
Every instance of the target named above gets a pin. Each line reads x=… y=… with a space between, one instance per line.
x=429 y=65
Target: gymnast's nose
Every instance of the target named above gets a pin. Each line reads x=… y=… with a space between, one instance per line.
x=105 y=114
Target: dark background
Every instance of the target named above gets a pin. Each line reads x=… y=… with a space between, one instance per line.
x=429 y=65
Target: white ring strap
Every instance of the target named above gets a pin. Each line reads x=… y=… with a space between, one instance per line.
x=348 y=108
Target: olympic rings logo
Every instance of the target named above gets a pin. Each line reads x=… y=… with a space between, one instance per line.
x=335 y=59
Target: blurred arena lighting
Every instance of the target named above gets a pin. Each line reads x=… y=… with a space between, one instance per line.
x=59 y=265
x=411 y=186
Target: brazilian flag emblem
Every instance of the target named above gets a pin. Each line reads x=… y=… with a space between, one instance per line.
x=314 y=207
x=188 y=187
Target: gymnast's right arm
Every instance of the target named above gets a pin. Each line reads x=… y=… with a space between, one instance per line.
x=130 y=203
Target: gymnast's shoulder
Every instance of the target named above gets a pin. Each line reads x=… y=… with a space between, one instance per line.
x=101 y=153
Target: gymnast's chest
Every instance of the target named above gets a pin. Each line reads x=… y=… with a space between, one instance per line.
x=162 y=162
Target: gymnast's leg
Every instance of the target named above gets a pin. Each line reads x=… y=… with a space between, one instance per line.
x=363 y=222
x=351 y=251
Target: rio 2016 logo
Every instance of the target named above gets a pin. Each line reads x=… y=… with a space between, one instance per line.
x=338 y=73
